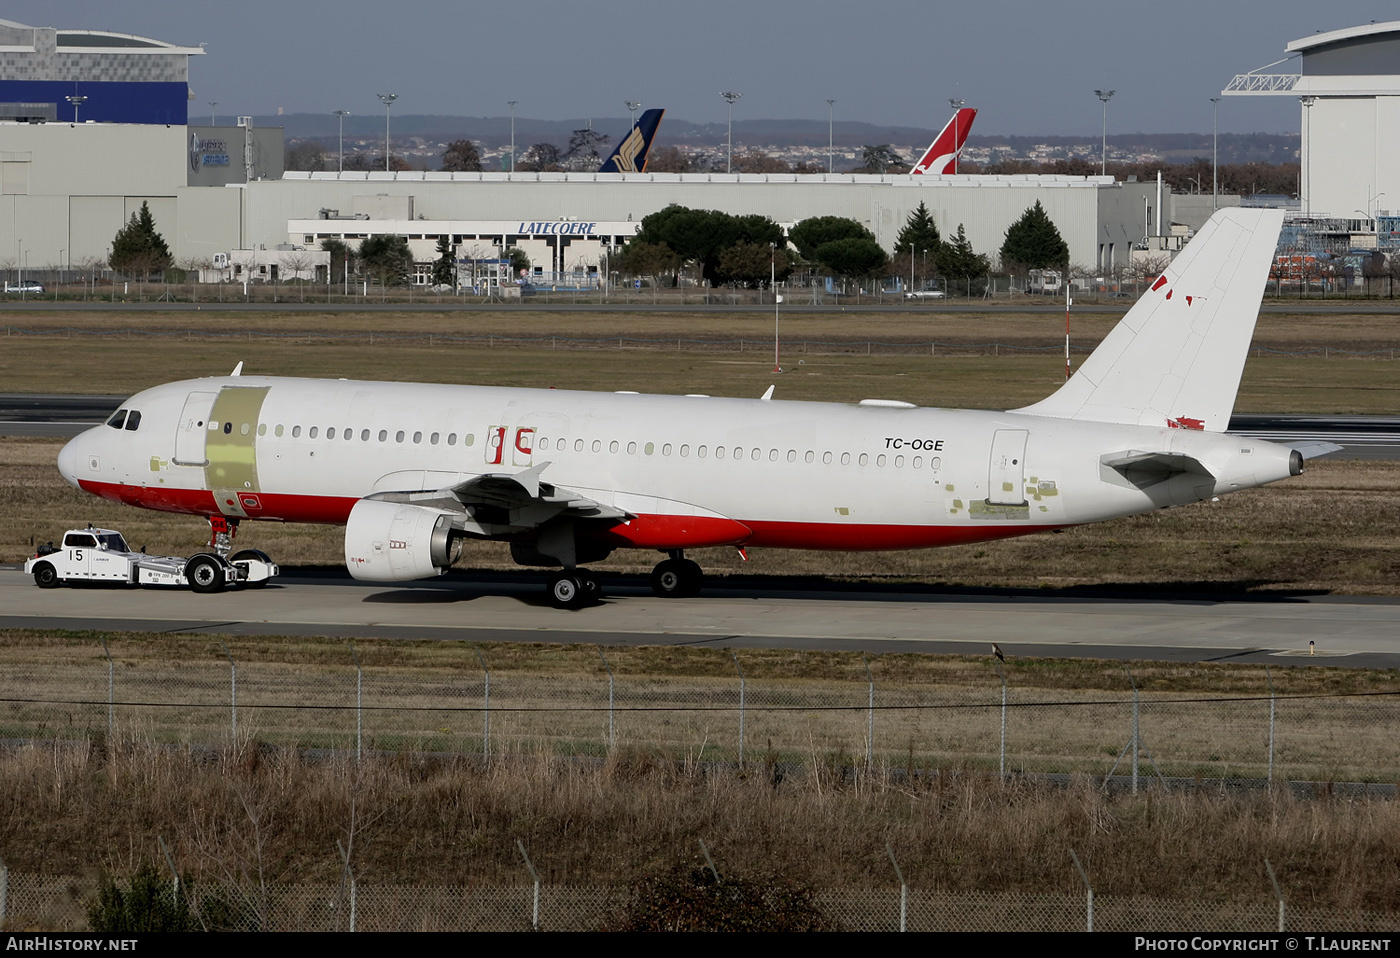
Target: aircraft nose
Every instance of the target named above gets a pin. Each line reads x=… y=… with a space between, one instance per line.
x=68 y=460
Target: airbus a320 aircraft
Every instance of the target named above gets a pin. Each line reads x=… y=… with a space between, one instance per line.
x=567 y=477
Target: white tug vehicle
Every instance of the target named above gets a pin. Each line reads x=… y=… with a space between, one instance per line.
x=102 y=555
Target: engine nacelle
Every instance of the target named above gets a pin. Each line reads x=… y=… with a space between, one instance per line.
x=393 y=541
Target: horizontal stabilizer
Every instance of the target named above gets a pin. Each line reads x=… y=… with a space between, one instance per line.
x=1175 y=359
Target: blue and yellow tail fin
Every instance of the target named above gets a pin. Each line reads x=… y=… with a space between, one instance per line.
x=631 y=153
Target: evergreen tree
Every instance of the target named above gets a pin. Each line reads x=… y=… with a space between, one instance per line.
x=920 y=233
x=138 y=248
x=445 y=266
x=852 y=257
x=461 y=156
x=965 y=268
x=387 y=256
x=815 y=232
x=1033 y=242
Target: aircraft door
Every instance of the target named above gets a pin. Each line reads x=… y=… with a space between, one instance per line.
x=1007 y=471
x=191 y=430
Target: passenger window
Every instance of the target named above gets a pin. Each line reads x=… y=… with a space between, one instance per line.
x=935 y=462
x=918 y=462
x=631 y=449
x=311 y=433
x=228 y=429
x=383 y=435
x=452 y=439
x=133 y=421
x=597 y=445
x=880 y=459
x=296 y=432
x=719 y=452
x=899 y=462
x=649 y=448
x=278 y=431
x=243 y=430
x=330 y=432
x=699 y=452
x=809 y=457
x=772 y=455
x=864 y=459
x=262 y=429
x=118 y=418
x=666 y=449
x=398 y=436
x=418 y=437
x=348 y=433
x=364 y=435
x=542 y=444
x=826 y=458
x=578 y=445
x=845 y=458
x=468 y=439
x=433 y=439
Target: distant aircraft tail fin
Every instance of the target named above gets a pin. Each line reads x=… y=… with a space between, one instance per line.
x=942 y=154
x=1175 y=359
x=631 y=153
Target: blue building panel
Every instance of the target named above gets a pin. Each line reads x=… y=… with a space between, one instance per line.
x=117 y=102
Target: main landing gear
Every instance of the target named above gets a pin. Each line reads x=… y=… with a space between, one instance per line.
x=573 y=589
x=677 y=577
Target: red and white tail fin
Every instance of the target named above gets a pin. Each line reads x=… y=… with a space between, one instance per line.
x=942 y=154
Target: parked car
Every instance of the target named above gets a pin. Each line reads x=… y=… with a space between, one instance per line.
x=928 y=292
x=28 y=286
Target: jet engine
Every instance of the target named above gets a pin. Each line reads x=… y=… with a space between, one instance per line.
x=393 y=541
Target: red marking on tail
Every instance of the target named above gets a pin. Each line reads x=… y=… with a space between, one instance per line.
x=1185 y=422
x=941 y=156
x=1161 y=281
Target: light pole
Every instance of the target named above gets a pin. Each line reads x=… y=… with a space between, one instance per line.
x=730 y=98
x=956 y=103
x=1215 y=153
x=512 y=134
x=212 y=104
x=341 y=115
x=77 y=100
x=830 y=141
x=1105 y=96
x=632 y=107
x=388 y=99
x=1307 y=102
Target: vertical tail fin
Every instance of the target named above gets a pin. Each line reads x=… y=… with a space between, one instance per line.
x=942 y=153
x=1175 y=359
x=631 y=153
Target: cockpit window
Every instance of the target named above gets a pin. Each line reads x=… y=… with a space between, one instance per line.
x=113 y=542
x=133 y=421
x=117 y=419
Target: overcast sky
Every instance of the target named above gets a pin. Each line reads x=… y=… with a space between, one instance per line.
x=1029 y=66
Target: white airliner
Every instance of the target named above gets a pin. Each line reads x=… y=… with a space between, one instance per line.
x=568 y=477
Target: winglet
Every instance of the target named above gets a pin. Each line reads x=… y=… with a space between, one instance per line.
x=767 y=396
x=237 y=370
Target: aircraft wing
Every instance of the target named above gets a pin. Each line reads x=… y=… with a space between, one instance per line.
x=503 y=503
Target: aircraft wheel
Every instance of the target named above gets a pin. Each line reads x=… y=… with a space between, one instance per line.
x=676 y=578
x=46 y=576
x=205 y=574
x=567 y=591
x=592 y=588
x=252 y=554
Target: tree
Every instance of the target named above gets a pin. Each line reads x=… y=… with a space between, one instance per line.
x=755 y=162
x=519 y=261
x=852 y=257
x=920 y=233
x=461 y=156
x=138 y=249
x=582 y=154
x=752 y=266
x=964 y=267
x=817 y=231
x=648 y=259
x=445 y=266
x=540 y=158
x=667 y=159
x=1033 y=242
x=387 y=257
x=342 y=257
x=881 y=159
x=701 y=236
x=305 y=155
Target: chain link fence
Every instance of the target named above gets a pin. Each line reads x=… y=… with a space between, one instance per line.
x=447 y=698
x=60 y=903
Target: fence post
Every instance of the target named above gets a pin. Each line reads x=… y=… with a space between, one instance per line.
x=1278 y=892
x=359 y=703
x=1136 y=742
x=534 y=876
x=175 y=875
x=869 y=717
x=4 y=891
x=741 y=712
x=903 y=890
x=708 y=860
x=111 y=688
x=1273 y=708
x=612 y=728
x=233 y=692
x=1001 y=767
x=1088 y=888
x=485 y=707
